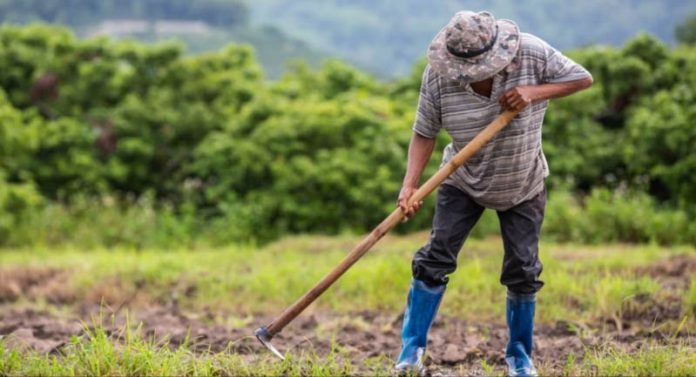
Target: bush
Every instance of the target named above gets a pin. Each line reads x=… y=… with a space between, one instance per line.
x=660 y=145
x=17 y=203
x=107 y=143
x=615 y=216
x=91 y=223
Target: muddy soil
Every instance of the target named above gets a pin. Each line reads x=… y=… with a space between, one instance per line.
x=455 y=346
x=361 y=335
x=672 y=273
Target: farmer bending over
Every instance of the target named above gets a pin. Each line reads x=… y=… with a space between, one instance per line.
x=477 y=67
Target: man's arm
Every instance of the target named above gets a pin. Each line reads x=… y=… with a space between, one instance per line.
x=520 y=97
x=426 y=126
x=419 y=151
x=557 y=76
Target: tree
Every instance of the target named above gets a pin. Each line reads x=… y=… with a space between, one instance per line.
x=686 y=31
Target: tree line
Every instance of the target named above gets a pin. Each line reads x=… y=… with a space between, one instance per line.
x=206 y=138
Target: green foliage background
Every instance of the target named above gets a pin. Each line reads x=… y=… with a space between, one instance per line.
x=111 y=142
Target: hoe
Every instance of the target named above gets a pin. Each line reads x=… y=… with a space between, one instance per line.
x=265 y=333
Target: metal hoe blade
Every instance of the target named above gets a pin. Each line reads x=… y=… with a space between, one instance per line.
x=265 y=339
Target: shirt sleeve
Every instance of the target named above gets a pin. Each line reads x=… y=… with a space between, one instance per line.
x=560 y=68
x=428 y=117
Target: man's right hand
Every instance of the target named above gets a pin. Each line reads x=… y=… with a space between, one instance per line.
x=404 y=195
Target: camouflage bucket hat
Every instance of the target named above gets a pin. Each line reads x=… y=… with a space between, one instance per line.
x=473 y=46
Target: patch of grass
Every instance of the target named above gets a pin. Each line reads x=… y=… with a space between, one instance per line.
x=97 y=354
x=128 y=353
x=94 y=355
x=649 y=360
x=489 y=370
x=690 y=299
x=570 y=365
x=582 y=282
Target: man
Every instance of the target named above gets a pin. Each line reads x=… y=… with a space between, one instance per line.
x=478 y=67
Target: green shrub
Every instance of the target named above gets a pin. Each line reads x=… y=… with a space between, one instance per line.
x=17 y=203
x=115 y=142
x=660 y=145
x=93 y=223
x=615 y=216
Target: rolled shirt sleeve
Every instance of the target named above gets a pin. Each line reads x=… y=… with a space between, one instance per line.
x=428 y=117
x=560 y=68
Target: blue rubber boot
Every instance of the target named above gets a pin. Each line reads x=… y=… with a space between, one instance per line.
x=422 y=305
x=520 y=321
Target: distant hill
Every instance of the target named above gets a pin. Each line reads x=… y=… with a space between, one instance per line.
x=77 y=13
x=274 y=49
x=385 y=37
x=202 y=25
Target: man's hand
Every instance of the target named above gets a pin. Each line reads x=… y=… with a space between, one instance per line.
x=404 y=195
x=518 y=98
x=419 y=150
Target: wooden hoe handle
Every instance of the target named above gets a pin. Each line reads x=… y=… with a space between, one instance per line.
x=387 y=224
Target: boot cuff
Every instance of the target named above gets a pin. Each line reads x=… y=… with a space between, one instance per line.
x=423 y=286
x=521 y=297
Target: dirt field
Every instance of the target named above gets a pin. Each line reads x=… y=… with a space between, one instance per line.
x=366 y=337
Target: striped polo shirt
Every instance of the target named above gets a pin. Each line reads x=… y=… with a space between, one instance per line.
x=511 y=168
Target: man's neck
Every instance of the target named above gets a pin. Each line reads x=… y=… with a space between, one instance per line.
x=483 y=88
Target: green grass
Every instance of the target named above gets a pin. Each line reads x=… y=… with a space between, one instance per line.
x=690 y=297
x=584 y=285
x=651 y=360
x=95 y=354
x=582 y=282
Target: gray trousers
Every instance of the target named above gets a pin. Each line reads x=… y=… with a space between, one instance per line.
x=456 y=214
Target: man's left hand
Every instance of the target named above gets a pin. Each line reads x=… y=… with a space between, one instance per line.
x=517 y=98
